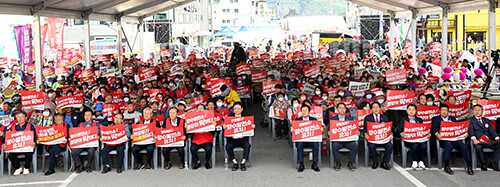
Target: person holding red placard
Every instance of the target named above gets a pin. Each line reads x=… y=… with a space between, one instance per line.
x=202 y=140
x=56 y=149
x=480 y=128
x=351 y=145
x=120 y=148
x=418 y=150
x=448 y=146
x=148 y=114
x=21 y=125
x=233 y=142
x=75 y=152
x=174 y=122
x=377 y=117
x=305 y=110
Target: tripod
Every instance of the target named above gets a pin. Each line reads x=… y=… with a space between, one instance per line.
x=492 y=71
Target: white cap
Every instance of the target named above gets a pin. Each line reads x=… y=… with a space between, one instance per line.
x=379 y=93
x=16 y=67
x=8 y=71
x=60 y=78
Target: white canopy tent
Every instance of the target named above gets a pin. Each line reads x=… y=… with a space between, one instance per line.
x=132 y=11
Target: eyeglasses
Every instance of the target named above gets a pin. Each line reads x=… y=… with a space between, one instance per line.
x=133 y=98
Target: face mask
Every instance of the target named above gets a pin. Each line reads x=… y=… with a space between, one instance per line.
x=341 y=93
x=296 y=105
x=219 y=104
x=347 y=75
x=324 y=97
x=370 y=80
x=50 y=95
x=320 y=80
x=369 y=96
x=317 y=92
x=244 y=77
x=203 y=86
x=46 y=113
x=125 y=89
x=170 y=103
x=176 y=80
x=430 y=103
x=380 y=101
x=126 y=99
x=280 y=99
x=303 y=98
x=240 y=82
x=171 y=85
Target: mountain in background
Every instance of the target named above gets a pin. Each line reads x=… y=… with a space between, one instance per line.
x=307 y=7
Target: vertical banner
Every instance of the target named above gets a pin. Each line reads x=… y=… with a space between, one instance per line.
x=379 y=133
x=23 y=40
x=56 y=35
x=416 y=132
x=454 y=131
x=344 y=131
x=45 y=29
x=307 y=131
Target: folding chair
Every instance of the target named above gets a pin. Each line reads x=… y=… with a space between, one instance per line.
x=86 y=153
x=64 y=154
x=33 y=162
x=1 y=161
x=441 y=151
x=378 y=149
x=186 y=152
x=238 y=149
x=220 y=135
x=125 y=154
x=306 y=150
x=405 y=150
x=144 y=151
x=342 y=150
x=190 y=141
x=474 y=153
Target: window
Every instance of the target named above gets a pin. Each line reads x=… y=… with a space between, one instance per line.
x=475 y=37
x=195 y=18
x=228 y=21
x=223 y=10
x=223 y=21
x=236 y=10
x=78 y=22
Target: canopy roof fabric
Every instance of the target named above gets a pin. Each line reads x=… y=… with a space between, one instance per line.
x=402 y=8
x=101 y=10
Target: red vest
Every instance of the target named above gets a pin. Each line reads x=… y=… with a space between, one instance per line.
x=168 y=124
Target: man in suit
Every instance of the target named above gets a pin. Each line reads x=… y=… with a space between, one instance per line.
x=148 y=114
x=351 y=145
x=417 y=149
x=305 y=110
x=448 y=146
x=75 y=152
x=481 y=127
x=238 y=141
x=376 y=117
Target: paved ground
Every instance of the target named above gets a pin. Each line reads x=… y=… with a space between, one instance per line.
x=272 y=167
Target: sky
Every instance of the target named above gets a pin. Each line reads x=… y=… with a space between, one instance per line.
x=8 y=46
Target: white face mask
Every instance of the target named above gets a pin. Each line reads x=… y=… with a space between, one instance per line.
x=203 y=86
x=280 y=98
x=324 y=97
x=295 y=105
x=240 y=82
x=46 y=113
x=317 y=92
x=170 y=103
x=126 y=99
x=430 y=103
x=380 y=101
x=219 y=104
x=244 y=77
x=125 y=89
x=341 y=93
x=50 y=94
x=171 y=84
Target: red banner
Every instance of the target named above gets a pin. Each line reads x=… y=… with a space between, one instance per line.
x=454 y=131
x=30 y=86
x=201 y=121
x=200 y=100
x=146 y=74
x=461 y=96
x=48 y=72
x=83 y=137
x=69 y=101
x=259 y=76
x=427 y=112
x=362 y=115
x=239 y=126
x=56 y=35
x=143 y=133
x=491 y=108
x=169 y=137
x=113 y=134
x=110 y=110
x=268 y=87
x=279 y=113
x=90 y=80
x=216 y=84
x=51 y=135
x=459 y=111
x=32 y=99
x=312 y=71
x=416 y=132
x=165 y=52
x=399 y=100
x=258 y=63
x=253 y=53
x=243 y=91
x=396 y=76
x=379 y=133
x=61 y=71
x=19 y=142
x=243 y=68
x=344 y=131
x=307 y=131
x=485 y=139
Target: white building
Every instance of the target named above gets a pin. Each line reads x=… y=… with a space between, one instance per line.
x=239 y=13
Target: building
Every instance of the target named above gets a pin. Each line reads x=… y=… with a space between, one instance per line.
x=239 y=13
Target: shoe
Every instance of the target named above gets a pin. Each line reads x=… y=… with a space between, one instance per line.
x=315 y=167
x=181 y=165
x=88 y=169
x=208 y=166
x=18 y=171
x=235 y=167
x=385 y=166
x=375 y=165
x=79 y=169
x=26 y=171
x=119 y=169
x=351 y=166
x=301 y=167
x=169 y=165
x=139 y=167
x=484 y=167
x=494 y=166
x=414 y=165
x=106 y=169
x=196 y=166
x=448 y=170
x=421 y=165
x=50 y=172
x=470 y=171
x=337 y=166
x=280 y=137
x=148 y=166
x=243 y=167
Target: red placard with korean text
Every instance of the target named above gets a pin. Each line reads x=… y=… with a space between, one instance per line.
x=19 y=142
x=32 y=99
x=461 y=96
x=459 y=111
x=275 y=112
x=396 y=76
x=83 y=137
x=268 y=87
x=427 y=112
x=110 y=110
x=454 y=131
x=243 y=91
x=259 y=76
x=379 y=133
x=239 y=126
x=69 y=101
x=344 y=131
x=399 y=100
x=114 y=134
x=52 y=135
x=307 y=131
x=243 y=68
x=169 y=137
x=200 y=121
x=312 y=71
x=143 y=133
x=146 y=74
x=491 y=108
x=416 y=132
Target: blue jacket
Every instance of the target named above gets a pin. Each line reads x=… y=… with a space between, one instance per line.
x=436 y=123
